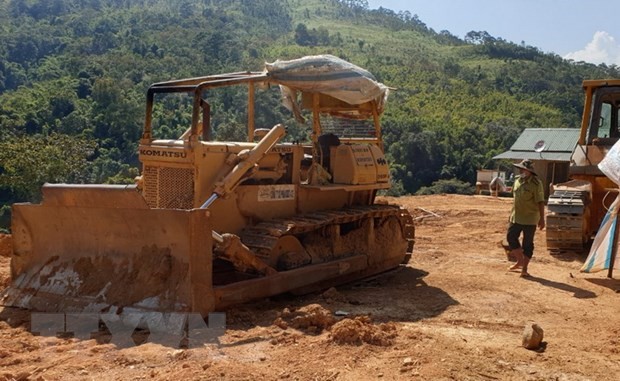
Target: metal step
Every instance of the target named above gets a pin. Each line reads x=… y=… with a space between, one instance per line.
x=568 y=201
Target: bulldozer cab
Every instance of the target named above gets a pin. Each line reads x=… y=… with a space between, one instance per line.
x=576 y=208
x=600 y=126
x=604 y=122
x=337 y=161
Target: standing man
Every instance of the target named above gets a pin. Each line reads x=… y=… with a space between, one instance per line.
x=528 y=211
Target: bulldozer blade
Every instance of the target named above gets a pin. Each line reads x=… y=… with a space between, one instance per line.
x=101 y=249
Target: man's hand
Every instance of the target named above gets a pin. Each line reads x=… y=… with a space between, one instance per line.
x=541 y=211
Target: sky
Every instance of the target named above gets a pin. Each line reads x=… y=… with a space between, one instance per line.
x=581 y=30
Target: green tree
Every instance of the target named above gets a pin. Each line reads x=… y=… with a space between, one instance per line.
x=29 y=161
x=303 y=36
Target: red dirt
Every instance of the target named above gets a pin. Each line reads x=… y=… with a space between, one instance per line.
x=454 y=313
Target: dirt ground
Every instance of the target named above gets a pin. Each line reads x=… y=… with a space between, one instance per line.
x=454 y=313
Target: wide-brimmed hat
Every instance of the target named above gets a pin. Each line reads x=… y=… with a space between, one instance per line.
x=527 y=165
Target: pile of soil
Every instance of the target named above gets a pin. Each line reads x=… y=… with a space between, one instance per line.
x=6 y=245
x=361 y=330
x=313 y=318
x=6 y=249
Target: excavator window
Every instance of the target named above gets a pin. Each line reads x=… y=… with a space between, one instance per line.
x=604 y=125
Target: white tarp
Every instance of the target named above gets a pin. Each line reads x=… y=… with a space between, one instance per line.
x=610 y=165
x=328 y=75
x=601 y=252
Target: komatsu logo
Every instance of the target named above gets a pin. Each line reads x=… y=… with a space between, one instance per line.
x=158 y=153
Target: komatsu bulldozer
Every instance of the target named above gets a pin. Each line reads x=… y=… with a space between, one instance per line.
x=212 y=223
x=576 y=208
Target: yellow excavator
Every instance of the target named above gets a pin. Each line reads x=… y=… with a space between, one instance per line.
x=577 y=207
x=210 y=223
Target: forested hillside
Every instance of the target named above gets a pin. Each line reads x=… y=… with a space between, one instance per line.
x=74 y=73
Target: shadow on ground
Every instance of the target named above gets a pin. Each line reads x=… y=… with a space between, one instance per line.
x=577 y=292
x=610 y=283
x=570 y=255
x=397 y=295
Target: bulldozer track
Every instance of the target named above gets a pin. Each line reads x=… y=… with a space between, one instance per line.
x=262 y=237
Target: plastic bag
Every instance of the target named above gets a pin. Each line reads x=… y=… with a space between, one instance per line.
x=610 y=165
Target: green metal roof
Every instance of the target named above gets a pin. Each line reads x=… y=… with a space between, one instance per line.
x=554 y=144
x=521 y=155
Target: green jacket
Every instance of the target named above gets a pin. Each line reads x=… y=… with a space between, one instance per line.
x=527 y=193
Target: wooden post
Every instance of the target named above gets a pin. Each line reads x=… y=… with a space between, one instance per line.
x=614 y=248
x=251 y=127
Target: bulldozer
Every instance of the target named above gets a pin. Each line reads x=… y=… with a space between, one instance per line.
x=208 y=223
x=576 y=208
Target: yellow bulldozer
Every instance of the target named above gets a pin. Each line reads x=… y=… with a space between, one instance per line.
x=577 y=207
x=210 y=223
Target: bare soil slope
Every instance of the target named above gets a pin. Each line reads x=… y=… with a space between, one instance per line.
x=454 y=313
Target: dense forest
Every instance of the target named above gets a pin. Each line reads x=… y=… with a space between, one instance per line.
x=74 y=73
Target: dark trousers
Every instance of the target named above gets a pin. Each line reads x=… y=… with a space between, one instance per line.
x=512 y=236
